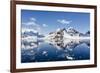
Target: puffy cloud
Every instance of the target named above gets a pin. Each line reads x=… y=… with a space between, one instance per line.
x=31 y=24
x=63 y=21
x=28 y=30
x=32 y=19
x=44 y=25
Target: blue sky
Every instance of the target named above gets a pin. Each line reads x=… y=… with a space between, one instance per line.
x=49 y=21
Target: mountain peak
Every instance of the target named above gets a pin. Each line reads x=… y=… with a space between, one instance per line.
x=72 y=30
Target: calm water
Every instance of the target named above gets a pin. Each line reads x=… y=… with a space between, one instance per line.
x=57 y=52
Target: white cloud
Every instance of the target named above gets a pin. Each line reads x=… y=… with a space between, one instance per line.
x=63 y=21
x=31 y=24
x=33 y=19
x=26 y=29
x=44 y=25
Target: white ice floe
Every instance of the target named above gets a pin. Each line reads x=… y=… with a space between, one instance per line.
x=70 y=58
x=45 y=53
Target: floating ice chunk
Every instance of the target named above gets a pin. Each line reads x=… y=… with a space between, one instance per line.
x=70 y=58
x=44 y=53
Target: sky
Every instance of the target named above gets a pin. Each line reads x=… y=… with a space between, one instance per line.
x=50 y=21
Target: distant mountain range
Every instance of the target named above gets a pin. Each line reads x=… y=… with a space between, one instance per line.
x=70 y=32
x=67 y=33
x=28 y=32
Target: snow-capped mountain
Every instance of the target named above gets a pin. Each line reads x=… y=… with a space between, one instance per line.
x=69 y=38
x=31 y=32
x=70 y=33
x=74 y=32
x=87 y=33
x=71 y=30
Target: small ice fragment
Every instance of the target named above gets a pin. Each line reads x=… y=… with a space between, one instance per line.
x=70 y=58
x=44 y=52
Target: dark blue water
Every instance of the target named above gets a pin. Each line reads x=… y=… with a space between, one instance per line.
x=46 y=52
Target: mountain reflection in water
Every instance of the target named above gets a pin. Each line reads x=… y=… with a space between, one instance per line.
x=46 y=51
